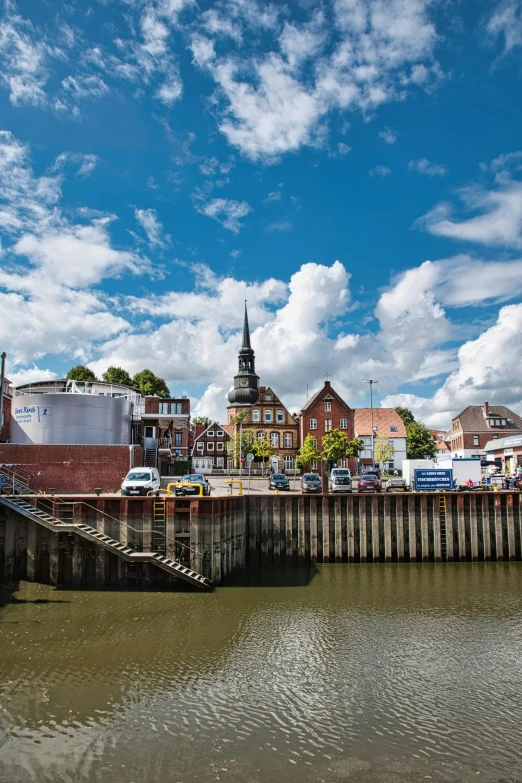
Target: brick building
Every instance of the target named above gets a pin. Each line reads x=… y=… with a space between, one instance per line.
x=386 y=424
x=6 y=404
x=164 y=426
x=266 y=414
x=209 y=448
x=325 y=411
x=476 y=425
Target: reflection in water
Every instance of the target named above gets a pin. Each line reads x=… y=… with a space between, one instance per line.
x=371 y=673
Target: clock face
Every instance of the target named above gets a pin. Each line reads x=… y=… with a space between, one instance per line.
x=243 y=381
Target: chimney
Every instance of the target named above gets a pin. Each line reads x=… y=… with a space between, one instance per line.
x=486 y=410
x=327 y=383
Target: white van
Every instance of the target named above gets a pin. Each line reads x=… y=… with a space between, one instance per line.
x=340 y=480
x=139 y=481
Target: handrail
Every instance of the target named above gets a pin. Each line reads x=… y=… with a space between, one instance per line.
x=235 y=481
x=168 y=539
x=184 y=484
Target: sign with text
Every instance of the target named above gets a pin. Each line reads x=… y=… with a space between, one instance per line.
x=433 y=479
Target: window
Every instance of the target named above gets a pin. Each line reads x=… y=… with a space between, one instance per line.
x=219 y=446
x=344 y=463
x=393 y=429
x=274 y=439
x=220 y=462
x=170 y=407
x=475 y=440
x=255 y=415
x=314 y=442
x=268 y=415
x=504 y=422
x=288 y=440
x=210 y=447
x=178 y=439
x=260 y=435
x=313 y=465
x=327 y=425
x=313 y=424
x=327 y=406
x=289 y=463
x=200 y=446
x=495 y=437
x=210 y=433
x=149 y=432
x=219 y=433
x=343 y=424
x=268 y=397
x=280 y=416
x=164 y=407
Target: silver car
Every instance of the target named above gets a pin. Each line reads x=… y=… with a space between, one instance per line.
x=340 y=480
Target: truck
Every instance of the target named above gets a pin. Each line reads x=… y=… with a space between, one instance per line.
x=409 y=466
x=464 y=469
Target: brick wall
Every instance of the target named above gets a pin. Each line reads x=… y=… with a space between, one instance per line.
x=73 y=468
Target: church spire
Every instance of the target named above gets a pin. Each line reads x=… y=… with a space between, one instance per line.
x=246 y=330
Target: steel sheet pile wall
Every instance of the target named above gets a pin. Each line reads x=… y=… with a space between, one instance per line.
x=219 y=536
x=383 y=528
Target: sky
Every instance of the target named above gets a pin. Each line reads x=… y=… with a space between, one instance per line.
x=352 y=168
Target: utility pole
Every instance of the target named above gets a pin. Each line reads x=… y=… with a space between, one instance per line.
x=371 y=382
x=2 y=374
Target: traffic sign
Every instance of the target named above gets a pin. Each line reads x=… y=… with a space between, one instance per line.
x=242 y=460
x=250 y=457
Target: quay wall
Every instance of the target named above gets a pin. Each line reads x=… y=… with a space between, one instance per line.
x=220 y=536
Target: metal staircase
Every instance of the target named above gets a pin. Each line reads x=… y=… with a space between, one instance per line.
x=57 y=525
x=442 y=518
x=15 y=480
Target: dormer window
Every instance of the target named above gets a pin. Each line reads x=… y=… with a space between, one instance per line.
x=393 y=429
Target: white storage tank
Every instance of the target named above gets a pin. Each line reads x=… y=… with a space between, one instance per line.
x=70 y=419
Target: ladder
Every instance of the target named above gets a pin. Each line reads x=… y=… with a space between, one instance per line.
x=442 y=519
x=159 y=525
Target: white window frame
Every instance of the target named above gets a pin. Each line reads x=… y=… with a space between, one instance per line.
x=476 y=440
x=280 y=416
x=288 y=462
x=343 y=424
x=274 y=439
x=220 y=462
x=268 y=397
x=220 y=446
x=256 y=417
x=327 y=406
x=327 y=425
x=313 y=424
x=313 y=465
x=288 y=437
x=210 y=447
x=200 y=446
x=268 y=416
x=260 y=435
x=219 y=433
x=210 y=434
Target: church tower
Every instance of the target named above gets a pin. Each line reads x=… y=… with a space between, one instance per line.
x=246 y=382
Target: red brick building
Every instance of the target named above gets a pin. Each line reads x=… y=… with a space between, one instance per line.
x=165 y=429
x=476 y=425
x=323 y=412
x=4 y=431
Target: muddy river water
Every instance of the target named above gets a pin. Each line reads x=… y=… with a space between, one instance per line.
x=359 y=673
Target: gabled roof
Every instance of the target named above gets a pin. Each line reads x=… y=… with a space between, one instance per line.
x=441 y=443
x=383 y=420
x=472 y=419
x=228 y=428
x=213 y=426
x=326 y=393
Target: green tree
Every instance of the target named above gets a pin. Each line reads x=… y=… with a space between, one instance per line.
x=202 y=420
x=308 y=452
x=337 y=446
x=406 y=415
x=419 y=441
x=383 y=450
x=150 y=384
x=262 y=449
x=239 y=445
x=117 y=375
x=80 y=373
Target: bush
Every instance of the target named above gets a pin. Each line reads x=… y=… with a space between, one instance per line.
x=180 y=467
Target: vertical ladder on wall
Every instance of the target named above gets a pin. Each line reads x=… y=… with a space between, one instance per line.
x=442 y=518
x=159 y=525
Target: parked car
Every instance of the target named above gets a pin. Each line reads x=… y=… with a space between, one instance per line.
x=197 y=480
x=369 y=482
x=369 y=471
x=311 y=482
x=340 y=480
x=278 y=481
x=139 y=481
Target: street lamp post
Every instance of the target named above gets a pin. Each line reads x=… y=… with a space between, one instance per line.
x=2 y=375
x=371 y=382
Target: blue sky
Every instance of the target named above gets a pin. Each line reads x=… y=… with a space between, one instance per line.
x=352 y=167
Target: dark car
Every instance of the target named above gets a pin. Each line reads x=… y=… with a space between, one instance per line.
x=278 y=481
x=372 y=472
x=369 y=482
x=198 y=480
x=311 y=482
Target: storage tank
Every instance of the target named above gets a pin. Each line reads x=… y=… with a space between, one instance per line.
x=71 y=419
